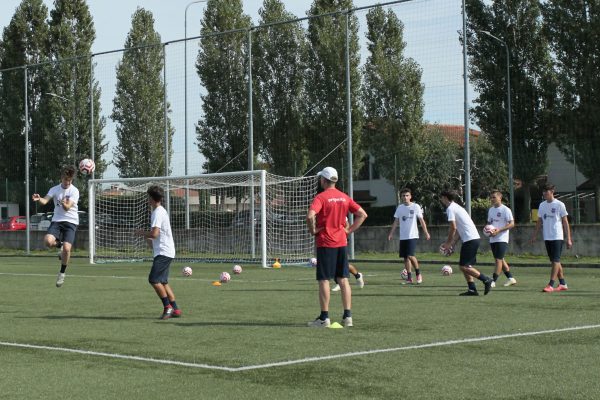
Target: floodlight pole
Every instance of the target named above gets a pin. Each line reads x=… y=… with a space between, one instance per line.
x=467 y=146
x=509 y=117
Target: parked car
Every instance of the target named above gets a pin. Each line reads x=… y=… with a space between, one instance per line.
x=34 y=221
x=16 y=223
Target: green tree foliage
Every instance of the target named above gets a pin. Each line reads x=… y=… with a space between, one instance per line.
x=222 y=132
x=138 y=106
x=573 y=29
x=279 y=56
x=24 y=42
x=518 y=23
x=392 y=96
x=71 y=36
x=488 y=170
x=325 y=101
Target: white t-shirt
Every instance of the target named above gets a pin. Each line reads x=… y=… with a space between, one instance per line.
x=58 y=193
x=499 y=217
x=407 y=220
x=464 y=224
x=163 y=245
x=551 y=215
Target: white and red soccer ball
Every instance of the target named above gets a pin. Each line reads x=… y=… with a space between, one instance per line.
x=312 y=262
x=225 y=277
x=187 y=271
x=488 y=229
x=237 y=269
x=404 y=274
x=446 y=270
x=446 y=251
x=87 y=166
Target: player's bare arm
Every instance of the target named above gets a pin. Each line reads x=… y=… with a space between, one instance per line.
x=424 y=228
x=311 y=222
x=538 y=225
x=393 y=229
x=567 y=229
x=67 y=204
x=451 y=239
x=42 y=200
x=154 y=233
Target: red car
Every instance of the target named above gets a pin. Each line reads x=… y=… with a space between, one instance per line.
x=17 y=223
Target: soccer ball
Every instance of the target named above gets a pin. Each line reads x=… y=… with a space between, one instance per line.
x=404 y=274
x=187 y=271
x=225 y=277
x=446 y=270
x=446 y=252
x=312 y=262
x=488 y=229
x=237 y=269
x=87 y=166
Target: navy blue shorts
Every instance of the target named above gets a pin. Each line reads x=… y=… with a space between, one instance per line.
x=499 y=249
x=332 y=262
x=554 y=249
x=408 y=247
x=160 y=270
x=63 y=231
x=468 y=253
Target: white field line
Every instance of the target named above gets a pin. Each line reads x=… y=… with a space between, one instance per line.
x=302 y=360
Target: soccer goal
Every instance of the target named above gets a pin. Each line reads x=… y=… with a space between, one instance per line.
x=250 y=216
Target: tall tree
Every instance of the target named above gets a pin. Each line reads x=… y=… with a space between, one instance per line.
x=518 y=23
x=573 y=29
x=279 y=56
x=392 y=96
x=325 y=101
x=222 y=132
x=70 y=42
x=138 y=106
x=24 y=42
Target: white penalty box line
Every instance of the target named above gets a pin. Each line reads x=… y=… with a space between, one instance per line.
x=297 y=361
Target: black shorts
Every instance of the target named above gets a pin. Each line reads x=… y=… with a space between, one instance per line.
x=468 y=253
x=63 y=231
x=408 y=247
x=554 y=249
x=499 y=249
x=332 y=262
x=160 y=270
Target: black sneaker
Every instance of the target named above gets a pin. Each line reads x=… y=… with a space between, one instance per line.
x=167 y=313
x=470 y=293
x=488 y=286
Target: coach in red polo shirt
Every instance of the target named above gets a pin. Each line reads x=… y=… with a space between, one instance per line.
x=326 y=220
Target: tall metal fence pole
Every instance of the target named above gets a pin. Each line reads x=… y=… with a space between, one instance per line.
x=92 y=140
x=251 y=142
x=165 y=115
x=26 y=102
x=467 y=145
x=349 y=126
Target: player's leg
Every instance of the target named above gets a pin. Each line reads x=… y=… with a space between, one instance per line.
x=67 y=232
x=326 y=266
x=554 y=250
x=172 y=302
x=359 y=276
x=468 y=258
x=342 y=270
x=498 y=251
x=404 y=247
x=158 y=278
x=510 y=279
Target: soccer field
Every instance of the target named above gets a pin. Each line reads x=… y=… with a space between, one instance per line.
x=99 y=337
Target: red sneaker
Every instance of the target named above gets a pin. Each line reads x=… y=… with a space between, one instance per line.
x=548 y=289
x=409 y=281
x=167 y=313
x=560 y=288
x=176 y=313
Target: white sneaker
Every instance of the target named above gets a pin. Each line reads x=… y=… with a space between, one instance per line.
x=319 y=323
x=360 y=281
x=510 y=282
x=493 y=283
x=60 y=279
x=347 y=322
x=336 y=288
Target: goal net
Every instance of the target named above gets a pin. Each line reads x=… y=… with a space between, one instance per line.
x=248 y=216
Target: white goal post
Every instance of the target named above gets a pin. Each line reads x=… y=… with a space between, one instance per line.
x=248 y=216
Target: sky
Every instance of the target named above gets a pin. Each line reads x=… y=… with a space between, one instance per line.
x=431 y=28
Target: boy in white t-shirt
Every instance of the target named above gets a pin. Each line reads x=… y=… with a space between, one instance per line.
x=163 y=247
x=462 y=226
x=501 y=218
x=552 y=215
x=406 y=217
x=61 y=233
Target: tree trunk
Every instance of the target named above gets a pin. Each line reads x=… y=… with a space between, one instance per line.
x=524 y=211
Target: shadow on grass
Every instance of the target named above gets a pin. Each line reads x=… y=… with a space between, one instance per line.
x=232 y=323
x=97 y=317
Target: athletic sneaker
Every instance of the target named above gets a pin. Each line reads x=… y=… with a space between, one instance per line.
x=320 y=323
x=347 y=322
x=420 y=278
x=488 y=286
x=176 y=313
x=560 y=288
x=493 y=284
x=336 y=288
x=167 y=313
x=409 y=281
x=470 y=293
x=360 y=281
x=510 y=282
x=548 y=289
x=60 y=279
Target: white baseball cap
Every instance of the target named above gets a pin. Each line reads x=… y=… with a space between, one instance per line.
x=329 y=173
